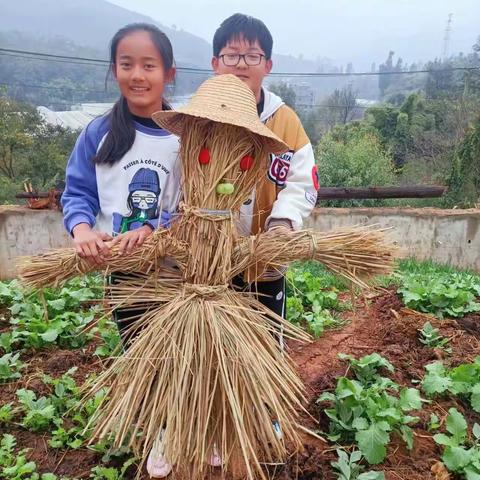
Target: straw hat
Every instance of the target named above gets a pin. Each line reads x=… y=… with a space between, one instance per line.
x=224 y=99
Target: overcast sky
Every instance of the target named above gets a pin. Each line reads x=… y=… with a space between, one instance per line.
x=361 y=31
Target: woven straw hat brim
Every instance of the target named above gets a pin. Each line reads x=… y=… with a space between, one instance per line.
x=223 y=99
x=173 y=121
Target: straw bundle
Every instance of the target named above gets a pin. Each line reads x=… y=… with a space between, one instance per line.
x=57 y=266
x=355 y=253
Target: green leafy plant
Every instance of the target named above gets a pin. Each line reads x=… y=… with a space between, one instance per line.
x=6 y=413
x=311 y=301
x=10 y=366
x=366 y=411
x=315 y=321
x=14 y=466
x=460 y=455
x=65 y=329
x=10 y=292
x=7 y=339
x=111 y=473
x=442 y=295
x=430 y=336
x=74 y=428
x=39 y=413
x=50 y=316
x=463 y=380
x=366 y=368
x=433 y=422
x=7 y=446
x=111 y=340
x=348 y=467
x=65 y=391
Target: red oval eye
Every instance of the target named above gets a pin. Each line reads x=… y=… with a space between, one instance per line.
x=246 y=163
x=204 y=156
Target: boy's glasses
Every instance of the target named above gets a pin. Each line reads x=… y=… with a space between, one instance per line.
x=233 y=59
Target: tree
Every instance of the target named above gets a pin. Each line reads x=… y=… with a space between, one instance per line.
x=353 y=156
x=400 y=128
x=285 y=92
x=464 y=180
x=30 y=149
x=18 y=124
x=340 y=106
x=385 y=80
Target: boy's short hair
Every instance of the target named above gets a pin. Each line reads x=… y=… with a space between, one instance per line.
x=243 y=26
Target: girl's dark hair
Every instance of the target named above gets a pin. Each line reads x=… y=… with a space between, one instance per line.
x=121 y=132
x=243 y=26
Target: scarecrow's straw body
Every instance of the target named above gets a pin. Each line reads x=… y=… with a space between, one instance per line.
x=206 y=365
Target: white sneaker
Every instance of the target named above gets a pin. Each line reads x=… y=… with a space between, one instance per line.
x=215 y=459
x=277 y=429
x=157 y=465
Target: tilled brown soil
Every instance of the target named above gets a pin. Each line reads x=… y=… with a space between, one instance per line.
x=378 y=324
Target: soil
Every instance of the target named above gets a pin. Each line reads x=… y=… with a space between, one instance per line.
x=377 y=324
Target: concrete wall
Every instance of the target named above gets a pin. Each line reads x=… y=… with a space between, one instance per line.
x=445 y=236
x=27 y=232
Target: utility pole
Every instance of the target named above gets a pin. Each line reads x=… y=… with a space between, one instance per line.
x=446 y=37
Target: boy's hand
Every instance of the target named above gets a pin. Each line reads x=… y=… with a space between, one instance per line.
x=280 y=225
x=130 y=240
x=90 y=244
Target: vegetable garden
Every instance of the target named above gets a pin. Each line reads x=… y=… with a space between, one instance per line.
x=392 y=377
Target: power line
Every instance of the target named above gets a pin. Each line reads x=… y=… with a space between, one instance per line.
x=50 y=55
x=74 y=89
x=99 y=62
x=81 y=61
x=31 y=57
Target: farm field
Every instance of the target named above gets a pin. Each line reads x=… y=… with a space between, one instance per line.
x=392 y=378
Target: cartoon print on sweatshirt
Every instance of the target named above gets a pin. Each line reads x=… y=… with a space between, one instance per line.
x=142 y=201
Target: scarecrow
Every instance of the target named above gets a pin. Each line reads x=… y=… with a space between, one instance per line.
x=206 y=366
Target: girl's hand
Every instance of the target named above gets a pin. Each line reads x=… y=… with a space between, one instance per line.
x=129 y=241
x=89 y=244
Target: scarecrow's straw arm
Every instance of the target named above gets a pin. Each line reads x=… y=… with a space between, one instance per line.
x=355 y=253
x=56 y=266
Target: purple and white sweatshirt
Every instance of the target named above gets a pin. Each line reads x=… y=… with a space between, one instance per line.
x=132 y=192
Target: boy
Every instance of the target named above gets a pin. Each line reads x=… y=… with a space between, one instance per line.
x=242 y=46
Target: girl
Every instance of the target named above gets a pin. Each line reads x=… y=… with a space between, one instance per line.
x=123 y=170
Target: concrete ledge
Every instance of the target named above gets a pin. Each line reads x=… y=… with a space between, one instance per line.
x=28 y=232
x=445 y=236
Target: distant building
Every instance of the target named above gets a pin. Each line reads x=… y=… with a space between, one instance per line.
x=363 y=102
x=82 y=114
x=77 y=118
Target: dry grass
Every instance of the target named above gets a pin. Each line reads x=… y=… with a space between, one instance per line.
x=355 y=253
x=56 y=266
